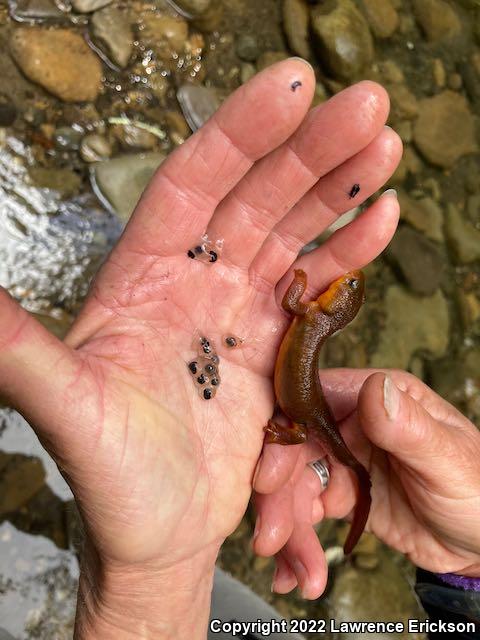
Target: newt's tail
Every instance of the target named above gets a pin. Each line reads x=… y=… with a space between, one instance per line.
x=333 y=441
x=362 y=508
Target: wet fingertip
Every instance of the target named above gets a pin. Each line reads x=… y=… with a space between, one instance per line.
x=299 y=59
x=257 y=471
x=390 y=192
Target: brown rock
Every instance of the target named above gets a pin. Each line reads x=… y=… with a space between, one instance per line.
x=296 y=23
x=391 y=72
x=445 y=129
x=270 y=57
x=21 y=478
x=424 y=214
x=439 y=73
x=437 y=19
x=409 y=164
x=382 y=16
x=417 y=259
x=344 y=41
x=192 y=8
x=111 y=30
x=463 y=238
x=404 y=105
x=59 y=60
x=166 y=34
x=86 y=6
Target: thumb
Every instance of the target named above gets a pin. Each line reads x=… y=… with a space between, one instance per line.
x=397 y=423
x=35 y=367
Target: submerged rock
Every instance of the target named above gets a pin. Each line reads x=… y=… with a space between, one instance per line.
x=65 y=182
x=112 y=32
x=133 y=137
x=95 y=147
x=418 y=260
x=21 y=477
x=8 y=112
x=120 y=182
x=457 y=379
x=36 y=11
x=437 y=18
x=296 y=24
x=246 y=47
x=343 y=38
x=39 y=585
x=445 y=129
x=86 y=6
x=382 y=16
x=166 y=34
x=198 y=104
x=191 y=8
x=372 y=595
x=404 y=105
x=59 y=60
x=424 y=214
x=412 y=325
x=270 y=57
x=462 y=236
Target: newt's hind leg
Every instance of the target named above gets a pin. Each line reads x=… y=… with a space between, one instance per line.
x=292 y=299
x=285 y=434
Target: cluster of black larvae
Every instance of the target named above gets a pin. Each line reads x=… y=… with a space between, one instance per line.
x=206 y=250
x=204 y=369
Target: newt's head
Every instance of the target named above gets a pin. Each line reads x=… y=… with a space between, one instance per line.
x=344 y=297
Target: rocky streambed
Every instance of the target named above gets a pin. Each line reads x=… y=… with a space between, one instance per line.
x=95 y=93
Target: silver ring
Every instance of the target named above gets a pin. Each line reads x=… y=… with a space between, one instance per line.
x=321 y=469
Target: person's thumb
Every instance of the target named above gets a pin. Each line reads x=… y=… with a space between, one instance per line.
x=35 y=368
x=400 y=425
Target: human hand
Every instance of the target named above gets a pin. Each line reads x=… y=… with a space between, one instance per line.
x=160 y=475
x=422 y=455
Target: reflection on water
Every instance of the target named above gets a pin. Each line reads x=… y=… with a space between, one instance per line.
x=37 y=586
x=49 y=246
x=16 y=436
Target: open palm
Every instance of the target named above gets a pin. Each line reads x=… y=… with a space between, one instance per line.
x=158 y=472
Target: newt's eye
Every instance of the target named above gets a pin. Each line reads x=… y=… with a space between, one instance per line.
x=353 y=283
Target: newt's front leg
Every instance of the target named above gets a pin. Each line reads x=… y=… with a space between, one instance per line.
x=285 y=434
x=292 y=299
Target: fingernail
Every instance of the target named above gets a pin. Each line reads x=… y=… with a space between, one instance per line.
x=301 y=573
x=390 y=192
x=274 y=580
x=302 y=60
x=257 y=469
x=391 y=398
x=256 y=532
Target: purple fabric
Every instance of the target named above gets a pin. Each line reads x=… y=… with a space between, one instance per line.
x=461 y=582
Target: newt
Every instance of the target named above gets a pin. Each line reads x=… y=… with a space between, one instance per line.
x=298 y=389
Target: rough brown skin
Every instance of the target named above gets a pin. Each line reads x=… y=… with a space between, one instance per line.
x=297 y=383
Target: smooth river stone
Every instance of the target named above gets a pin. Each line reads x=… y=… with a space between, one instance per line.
x=59 y=60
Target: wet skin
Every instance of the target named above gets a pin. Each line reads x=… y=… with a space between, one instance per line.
x=297 y=384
